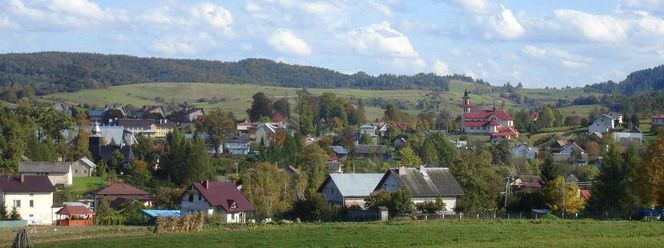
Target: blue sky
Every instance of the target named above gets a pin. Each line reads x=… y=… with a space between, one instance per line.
x=538 y=43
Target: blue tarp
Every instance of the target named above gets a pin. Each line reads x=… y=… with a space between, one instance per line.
x=153 y=213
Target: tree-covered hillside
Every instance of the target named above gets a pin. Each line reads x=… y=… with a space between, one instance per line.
x=638 y=81
x=51 y=72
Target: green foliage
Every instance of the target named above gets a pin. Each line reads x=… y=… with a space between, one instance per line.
x=431 y=207
x=185 y=161
x=131 y=213
x=562 y=196
x=305 y=114
x=315 y=207
x=267 y=188
x=438 y=151
x=612 y=192
x=549 y=170
x=377 y=199
x=14 y=215
x=217 y=125
x=401 y=202
x=409 y=158
x=260 y=107
x=105 y=215
x=479 y=180
x=3 y=212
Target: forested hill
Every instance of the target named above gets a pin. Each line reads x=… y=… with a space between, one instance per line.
x=638 y=81
x=52 y=72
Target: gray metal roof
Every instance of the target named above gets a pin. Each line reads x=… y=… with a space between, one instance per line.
x=44 y=167
x=339 y=150
x=428 y=182
x=355 y=184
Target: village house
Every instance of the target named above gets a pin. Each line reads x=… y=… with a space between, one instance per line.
x=656 y=122
x=266 y=132
x=118 y=193
x=349 y=189
x=334 y=166
x=238 y=144
x=32 y=196
x=605 y=122
x=617 y=118
x=529 y=183
x=425 y=184
x=633 y=136
x=571 y=153
x=220 y=198
x=522 y=150
x=188 y=115
x=151 y=112
x=496 y=123
x=101 y=149
x=340 y=152
x=74 y=215
x=370 y=151
x=147 y=127
x=59 y=173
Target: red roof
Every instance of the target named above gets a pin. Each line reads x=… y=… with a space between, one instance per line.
x=505 y=131
x=226 y=195
x=484 y=114
x=658 y=116
x=74 y=210
x=12 y=184
x=121 y=189
x=475 y=123
x=585 y=193
x=494 y=123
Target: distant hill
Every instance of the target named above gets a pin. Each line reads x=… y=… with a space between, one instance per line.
x=638 y=81
x=51 y=72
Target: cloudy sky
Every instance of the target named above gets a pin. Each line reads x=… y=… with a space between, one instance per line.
x=538 y=43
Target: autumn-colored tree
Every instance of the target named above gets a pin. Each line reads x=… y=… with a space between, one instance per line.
x=267 y=187
x=592 y=148
x=650 y=175
x=562 y=196
x=139 y=172
x=280 y=137
x=409 y=158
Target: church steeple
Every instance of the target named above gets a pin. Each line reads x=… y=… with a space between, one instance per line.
x=466 y=105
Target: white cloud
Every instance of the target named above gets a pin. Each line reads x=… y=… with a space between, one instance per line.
x=172 y=47
x=59 y=14
x=506 y=25
x=384 y=41
x=565 y=58
x=440 y=67
x=652 y=25
x=286 y=42
x=475 y=6
x=602 y=28
x=654 y=5
x=214 y=15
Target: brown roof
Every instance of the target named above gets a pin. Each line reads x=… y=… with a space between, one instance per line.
x=74 y=210
x=226 y=195
x=13 y=184
x=121 y=189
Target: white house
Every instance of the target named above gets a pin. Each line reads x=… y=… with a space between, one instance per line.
x=238 y=145
x=349 y=189
x=522 y=150
x=266 y=133
x=607 y=120
x=598 y=127
x=633 y=136
x=60 y=173
x=221 y=198
x=369 y=129
x=32 y=196
x=425 y=184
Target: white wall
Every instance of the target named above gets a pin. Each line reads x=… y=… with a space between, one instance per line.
x=40 y=213
x=201 y=205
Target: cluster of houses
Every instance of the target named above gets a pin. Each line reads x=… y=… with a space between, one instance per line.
x=498 y=124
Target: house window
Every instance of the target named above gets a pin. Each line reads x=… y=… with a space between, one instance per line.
x=17 y=203
x=32 y=203
x=76 y=171
x=200 y=197
x=191 y=197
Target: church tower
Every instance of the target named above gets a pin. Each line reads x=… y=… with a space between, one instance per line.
x=466 y=105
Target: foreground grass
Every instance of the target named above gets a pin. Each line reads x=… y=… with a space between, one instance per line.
x=499 y=233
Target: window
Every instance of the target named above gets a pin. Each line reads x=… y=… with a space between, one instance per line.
x=17 y=203
x=200 y=197
x=76 y=171
x=191 y=197
x=32 y=203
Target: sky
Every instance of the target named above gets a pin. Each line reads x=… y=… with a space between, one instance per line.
x=538 y=43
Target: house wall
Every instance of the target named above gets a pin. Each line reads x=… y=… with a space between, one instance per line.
x=390 y=184
x=450 y=201
x=80 y=170
x=354 y=201
x=39 y=213
x=596 y=127
x=199 y=204
x=264 y=134
x=608 y=121
x=55 y=178
x=331 y=192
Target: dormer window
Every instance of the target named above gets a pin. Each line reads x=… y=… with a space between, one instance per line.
x=232 y=204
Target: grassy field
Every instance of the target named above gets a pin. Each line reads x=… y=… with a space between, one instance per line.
x=87 y=184
x=450 y=233
x=237 y=98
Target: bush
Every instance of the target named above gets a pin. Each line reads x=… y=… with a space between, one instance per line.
x=431 y=207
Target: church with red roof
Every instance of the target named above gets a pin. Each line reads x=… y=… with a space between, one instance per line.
x=496 y=123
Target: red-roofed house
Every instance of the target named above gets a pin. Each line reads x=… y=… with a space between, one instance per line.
x=485 y=121
x=657 y=121
x=217 y=198
x=118 y=193
x=31 y=196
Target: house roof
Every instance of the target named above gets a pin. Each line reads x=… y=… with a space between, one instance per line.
x=483 y=114
x=475 y=123
x=660 y=116
x=74 y=210
x=426 y=182
x=585 y=193
x=370 y=149
x=87 y=162
x=354 y=184
x=13 y=184
x=339 y=150
x=122 y=189
x=224 y=194
x=153 y=213
x=505 y=131
x=44 y=167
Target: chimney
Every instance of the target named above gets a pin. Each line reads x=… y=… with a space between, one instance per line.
x=22 y=178
x=402 y=170
x=206 y=184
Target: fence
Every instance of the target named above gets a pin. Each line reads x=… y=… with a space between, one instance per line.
x=13 y=223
